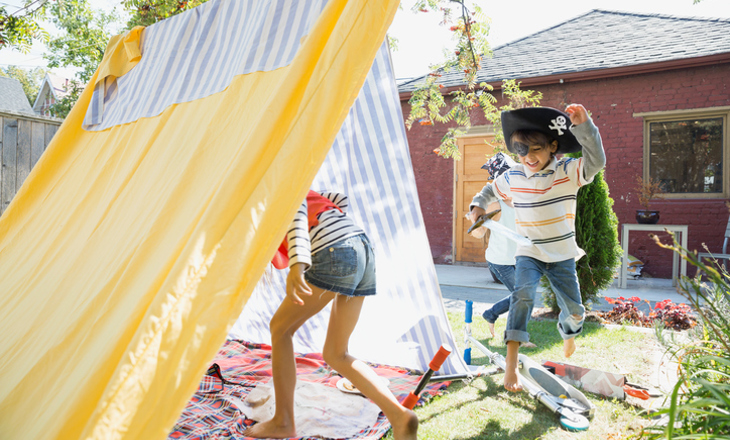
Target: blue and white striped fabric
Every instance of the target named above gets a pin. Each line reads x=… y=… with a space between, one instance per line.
x=405 y=323
x=213 y=47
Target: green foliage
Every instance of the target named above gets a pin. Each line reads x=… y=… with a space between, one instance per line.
x=29 y=79
x=427 y=101
x=596 y=227
x=596 y=223
x=84 y=35
x=699 y=404
x=147 y=12
x=63 y=106
x=19 y=28
x=481 y=409
x=470 y=30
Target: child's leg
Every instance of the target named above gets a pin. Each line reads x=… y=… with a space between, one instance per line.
x=564 y=281
x=492 y=313
x=511 y=377
x=505 y=274
x=285 y=322
x=344 y=317
x=528 y=272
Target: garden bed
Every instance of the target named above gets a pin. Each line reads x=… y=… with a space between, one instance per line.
x=677 y=317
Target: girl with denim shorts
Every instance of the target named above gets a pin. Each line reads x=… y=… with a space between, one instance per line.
x=330 y=259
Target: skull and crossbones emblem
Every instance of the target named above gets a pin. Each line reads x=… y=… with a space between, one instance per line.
x=559 y=124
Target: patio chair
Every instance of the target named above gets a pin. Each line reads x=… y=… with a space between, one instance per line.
x=724 y=256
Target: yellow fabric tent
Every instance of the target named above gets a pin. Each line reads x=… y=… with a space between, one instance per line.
x=129 y=252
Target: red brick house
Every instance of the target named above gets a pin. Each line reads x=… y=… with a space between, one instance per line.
x=658 y=88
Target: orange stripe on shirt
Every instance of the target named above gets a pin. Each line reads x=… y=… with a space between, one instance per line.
x=547 y=222
x=501 y=193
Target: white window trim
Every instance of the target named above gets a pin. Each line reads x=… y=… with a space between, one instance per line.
x=679 y=115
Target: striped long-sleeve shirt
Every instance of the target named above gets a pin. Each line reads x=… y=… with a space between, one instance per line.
x=334 y=225
x=545 y=202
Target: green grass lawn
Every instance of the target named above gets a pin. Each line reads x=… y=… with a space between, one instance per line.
x=483 y=409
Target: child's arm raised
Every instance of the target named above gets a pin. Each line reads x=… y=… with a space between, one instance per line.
x=587 y=134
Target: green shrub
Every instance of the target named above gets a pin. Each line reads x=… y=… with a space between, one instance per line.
x=596 y=229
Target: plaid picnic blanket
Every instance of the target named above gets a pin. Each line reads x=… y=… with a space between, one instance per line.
x=212 y=413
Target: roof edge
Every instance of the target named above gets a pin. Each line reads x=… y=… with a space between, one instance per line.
x=637 y=69
x=616 y=12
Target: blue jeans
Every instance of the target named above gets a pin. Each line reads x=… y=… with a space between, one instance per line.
x=505 y=274
x=564 y=282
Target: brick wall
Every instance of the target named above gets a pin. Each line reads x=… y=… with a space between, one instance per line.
x=612 y=102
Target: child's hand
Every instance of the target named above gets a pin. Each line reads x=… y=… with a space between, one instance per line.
x=578 y=114
x=475 y=213
x=296 y=285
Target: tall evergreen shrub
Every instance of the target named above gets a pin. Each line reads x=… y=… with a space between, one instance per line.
x=596 y=228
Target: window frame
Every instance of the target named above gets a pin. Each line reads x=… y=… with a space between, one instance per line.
x=682 y=115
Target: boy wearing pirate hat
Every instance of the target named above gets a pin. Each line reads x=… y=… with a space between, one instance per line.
x=543 y=189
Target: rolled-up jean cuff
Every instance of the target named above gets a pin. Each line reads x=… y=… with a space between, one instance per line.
x=516 y=335
x=566 y=335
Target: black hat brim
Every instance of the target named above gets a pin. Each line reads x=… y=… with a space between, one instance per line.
x=546 y=120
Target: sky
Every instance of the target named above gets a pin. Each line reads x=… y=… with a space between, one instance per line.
x=421 y=40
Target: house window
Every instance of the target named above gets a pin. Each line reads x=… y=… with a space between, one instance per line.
x=687 y=152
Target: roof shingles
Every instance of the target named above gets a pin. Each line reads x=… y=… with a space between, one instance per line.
x=599 y=40
x=12 y=97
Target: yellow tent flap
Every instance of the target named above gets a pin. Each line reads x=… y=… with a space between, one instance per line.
x=129 y=252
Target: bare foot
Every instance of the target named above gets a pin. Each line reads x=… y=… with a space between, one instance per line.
x=528 y=345
x=512 y=380
x=270 y=429
x=405 y=426
x=491 y=327
x=568 y=347
x=511 y=377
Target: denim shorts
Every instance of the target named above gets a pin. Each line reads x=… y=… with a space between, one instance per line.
x=346 y=267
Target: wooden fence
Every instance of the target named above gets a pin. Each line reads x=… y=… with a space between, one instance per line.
x=23 y=138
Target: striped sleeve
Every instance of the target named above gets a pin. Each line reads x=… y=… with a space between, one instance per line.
x=502 y=188
x=483 y=198
x=492 y=192
x=338 y=199
x=298 y=238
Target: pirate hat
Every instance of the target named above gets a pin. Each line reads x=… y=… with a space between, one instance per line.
x=549 y=121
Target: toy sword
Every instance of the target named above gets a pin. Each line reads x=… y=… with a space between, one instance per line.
x=486 y=220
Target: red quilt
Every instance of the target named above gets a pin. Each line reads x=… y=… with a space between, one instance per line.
x=210 y=415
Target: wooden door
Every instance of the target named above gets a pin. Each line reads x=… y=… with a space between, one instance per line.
x=469 y=178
